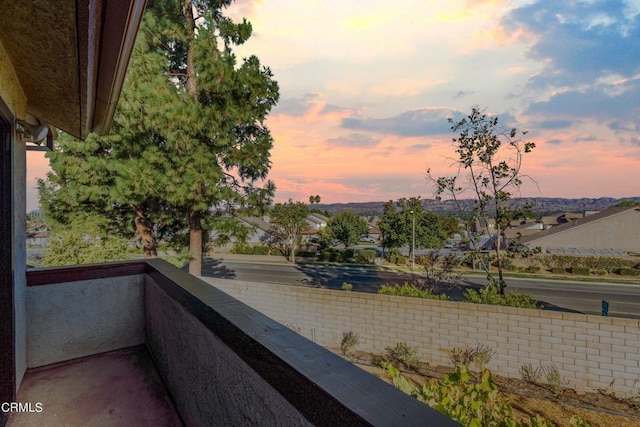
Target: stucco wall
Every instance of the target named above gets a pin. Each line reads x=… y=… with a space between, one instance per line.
x=620 y=232
x=10 y=89
x=589 y=351
x=70 y=320
x=206 y=379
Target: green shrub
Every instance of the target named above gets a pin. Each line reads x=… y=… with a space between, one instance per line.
x=245 y=249
x=602 y=272
x=470 y=403
x=507 y=264
x=348 y=254
x=558 y=270
x=346 y=286
x=261 y=250
x=403 y=354
x=241 y=249
x=401 y=260
x=331 y=255
x=392 y=255
x=366 y=256
x=408 y=290
x=582 y=271
x=591 y=262
x=490 y=295
x=304 y=254
x=626 y=271
x=532 y=269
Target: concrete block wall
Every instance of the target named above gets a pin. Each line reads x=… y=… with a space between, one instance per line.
x=588 y=351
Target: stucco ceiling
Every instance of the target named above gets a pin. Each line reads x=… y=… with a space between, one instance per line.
x=70 y=57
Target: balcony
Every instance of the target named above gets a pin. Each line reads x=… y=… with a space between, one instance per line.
x=144 y=343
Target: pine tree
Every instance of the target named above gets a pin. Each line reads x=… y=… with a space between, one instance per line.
x=189 y=143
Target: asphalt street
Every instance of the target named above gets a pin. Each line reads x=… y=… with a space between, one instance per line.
x=570 y=296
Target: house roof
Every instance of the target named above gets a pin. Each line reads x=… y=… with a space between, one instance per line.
x=374 y=230
x=578 y=222
x=549 y=220
x=512 y=233
x=317 y=218
x=70 y=58
x=257 y=222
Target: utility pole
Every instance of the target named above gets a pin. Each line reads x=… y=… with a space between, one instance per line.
x=413 y=241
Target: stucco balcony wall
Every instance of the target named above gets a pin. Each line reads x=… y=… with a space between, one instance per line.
x=75 y=319
x=221 y=361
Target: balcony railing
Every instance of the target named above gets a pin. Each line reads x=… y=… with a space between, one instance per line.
x=221 y=362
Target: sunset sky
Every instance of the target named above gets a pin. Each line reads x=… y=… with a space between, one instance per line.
x=367 y=86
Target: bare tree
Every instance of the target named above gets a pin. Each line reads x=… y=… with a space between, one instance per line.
x=488 y=166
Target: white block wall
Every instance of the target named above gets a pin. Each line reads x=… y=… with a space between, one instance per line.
x=589 y=351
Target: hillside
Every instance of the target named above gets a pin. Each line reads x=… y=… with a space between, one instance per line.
x=541 y=205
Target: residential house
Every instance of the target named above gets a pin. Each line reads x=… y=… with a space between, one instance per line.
x=317 y=221
x=549 y=221
x=190 y=354
x=260 y=226
x=375 y=233
x=613 y=231
x=484 y=226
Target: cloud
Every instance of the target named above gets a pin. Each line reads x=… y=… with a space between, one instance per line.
x=464 y=93
x=554 y=141
x=590 y=103
x=330 y=108
x=590 y=138
x=354 y=140
x=296 y=107
x=420 y=122
x=579 y=41
x=243 y=8
x=418 y=147
x=551 y=124
x=623 y=127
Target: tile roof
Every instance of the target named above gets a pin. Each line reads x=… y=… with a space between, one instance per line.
x=578 y=222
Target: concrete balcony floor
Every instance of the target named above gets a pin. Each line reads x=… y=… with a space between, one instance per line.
x=120 y=388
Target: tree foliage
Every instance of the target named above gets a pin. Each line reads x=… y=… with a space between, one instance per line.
x=397 y=225
x=314 y=199
x=189 y=145
x=627 y=203
x=489 y=161
x=288 y=222
x=86 y=244
x=345 y=227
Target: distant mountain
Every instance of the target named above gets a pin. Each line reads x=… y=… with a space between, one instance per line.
x=540 y=205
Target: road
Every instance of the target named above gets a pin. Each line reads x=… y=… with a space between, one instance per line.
x=571 y=296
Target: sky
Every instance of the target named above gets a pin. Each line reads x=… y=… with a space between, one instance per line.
x=366 y=88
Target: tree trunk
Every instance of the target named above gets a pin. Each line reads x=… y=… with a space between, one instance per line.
x=144 y=230
x=195 y=244
x=195 y=227
x=501 y=284
x=191 y=69
x=293 y=248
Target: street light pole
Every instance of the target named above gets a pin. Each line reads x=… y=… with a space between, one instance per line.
x=413 y=241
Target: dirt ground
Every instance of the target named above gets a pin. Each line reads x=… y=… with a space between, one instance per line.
x=556 y=404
